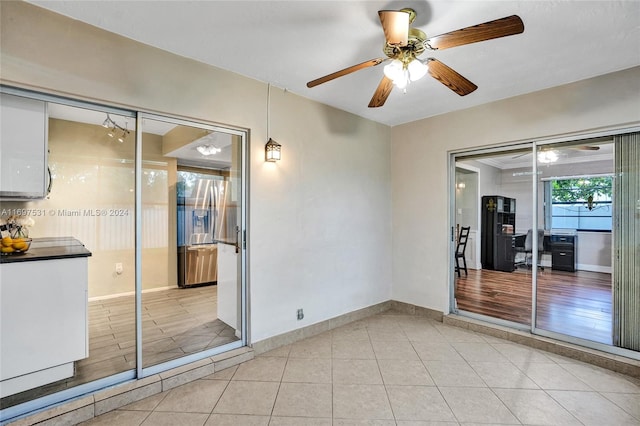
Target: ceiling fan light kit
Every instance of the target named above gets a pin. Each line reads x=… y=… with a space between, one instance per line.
x=207 y=150
x=401 y=73
x=404 y=44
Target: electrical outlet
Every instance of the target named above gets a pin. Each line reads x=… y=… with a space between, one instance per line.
x=300 y=314
x=118 y=268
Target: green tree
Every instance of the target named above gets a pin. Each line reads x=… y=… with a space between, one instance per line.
x=579 y=190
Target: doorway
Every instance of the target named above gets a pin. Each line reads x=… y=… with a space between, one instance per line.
x=114 y=190
x=546 y=236
x=499 y=201
x=467 y=212
x=194 y=304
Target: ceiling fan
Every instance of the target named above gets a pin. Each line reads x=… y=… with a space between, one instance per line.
x=404 y=44
x=576 y=148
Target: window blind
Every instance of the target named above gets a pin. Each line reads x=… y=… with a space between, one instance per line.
x=626 y=228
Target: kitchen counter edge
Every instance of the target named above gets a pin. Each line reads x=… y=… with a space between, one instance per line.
x=49 y=249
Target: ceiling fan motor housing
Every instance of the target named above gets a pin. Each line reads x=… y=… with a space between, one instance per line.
x=415 y=47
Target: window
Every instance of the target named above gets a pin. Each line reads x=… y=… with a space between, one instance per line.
x=582 y=203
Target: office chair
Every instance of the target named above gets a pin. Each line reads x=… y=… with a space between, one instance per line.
x=460 y=249
x=528 y=249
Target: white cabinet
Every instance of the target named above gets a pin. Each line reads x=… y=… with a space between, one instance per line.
x=228 y=286
x=43 y=321
x=23 y=148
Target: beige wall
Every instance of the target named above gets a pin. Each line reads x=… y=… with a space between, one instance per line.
x=320 y=219
x=420 y=165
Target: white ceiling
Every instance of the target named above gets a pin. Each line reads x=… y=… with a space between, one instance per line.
x=288 y=43
x=574 y=152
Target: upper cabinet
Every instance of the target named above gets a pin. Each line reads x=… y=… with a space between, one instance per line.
x=23 y=148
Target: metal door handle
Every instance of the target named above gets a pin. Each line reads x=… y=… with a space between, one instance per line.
x=237 y=239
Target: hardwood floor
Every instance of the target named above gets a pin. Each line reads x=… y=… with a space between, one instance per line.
x=577 y=304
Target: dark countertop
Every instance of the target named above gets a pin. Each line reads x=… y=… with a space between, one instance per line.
x=49 y=248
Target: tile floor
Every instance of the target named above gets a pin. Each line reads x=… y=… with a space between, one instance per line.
x=394 y=369
x=175 y=322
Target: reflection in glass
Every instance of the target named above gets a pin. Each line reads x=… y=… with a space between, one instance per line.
x=576 y=205
x=189 y=215
x=92 y=202
x=494 y=198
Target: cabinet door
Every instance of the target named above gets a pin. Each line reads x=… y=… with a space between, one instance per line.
x=43 y=321
x=23 y=148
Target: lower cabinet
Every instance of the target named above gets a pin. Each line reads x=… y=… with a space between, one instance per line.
x=228 y=286
x=563 y=252
x=43 y=322
x=505 y=253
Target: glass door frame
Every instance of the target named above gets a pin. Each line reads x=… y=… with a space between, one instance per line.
x=452 y=225
x=137 y=373
x=12 y=412
x=141 y=371
x=535 y=144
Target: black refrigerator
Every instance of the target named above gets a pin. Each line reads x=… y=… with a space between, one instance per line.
x=497 y=242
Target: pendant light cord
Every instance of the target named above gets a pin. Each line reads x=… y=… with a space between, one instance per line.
x=268 y=108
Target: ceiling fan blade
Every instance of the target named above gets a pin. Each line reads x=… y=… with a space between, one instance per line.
x=520 y=155
x=450 y=78
x=382 y=93
x=349 y=70
x=503 y=27
x=395 y=24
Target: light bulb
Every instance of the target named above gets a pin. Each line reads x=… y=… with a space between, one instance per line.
x=208 y=149
x=547 y=156
x=403 y=80
x=417 y=69
x=394 y=69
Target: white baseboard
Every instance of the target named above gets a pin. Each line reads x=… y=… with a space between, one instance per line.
x=129 y=293
x=594 y=268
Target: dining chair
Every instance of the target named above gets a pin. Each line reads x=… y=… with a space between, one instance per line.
x=460 y=250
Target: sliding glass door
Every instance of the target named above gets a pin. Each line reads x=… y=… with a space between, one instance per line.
x=192 y=204
x=545 y=238
x=142 y=231
x=69 y=322
x=575 y=207
x=493 y=199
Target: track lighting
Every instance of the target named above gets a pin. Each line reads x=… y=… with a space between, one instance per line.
x=113 y=127
x=125 y=132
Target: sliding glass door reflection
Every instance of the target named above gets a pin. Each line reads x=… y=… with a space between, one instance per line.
x=574 y=291
x=90 y=204
x=550 y=255
x=190 y=217
x=493 y=201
